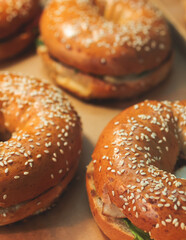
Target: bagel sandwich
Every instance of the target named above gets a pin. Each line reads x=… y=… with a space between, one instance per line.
x=96 y=51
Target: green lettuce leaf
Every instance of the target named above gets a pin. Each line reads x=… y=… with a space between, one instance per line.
x=39 y=42
x=138 y=233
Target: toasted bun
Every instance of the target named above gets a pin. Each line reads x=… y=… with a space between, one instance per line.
x=15 y=14
x=36 y=205
x=90 y=38
x=44 y=143
x=17 y=44
x=132 y=163
x=94 y=87
x=18 y=23
x=113 y=228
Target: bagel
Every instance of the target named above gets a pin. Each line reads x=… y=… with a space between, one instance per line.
x=40 y=143
x=105 y=49
x=18 y=20
x=132 y=191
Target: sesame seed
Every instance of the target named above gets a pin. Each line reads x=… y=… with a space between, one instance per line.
x=52 y=176
x=4 y=196
x=16 y=177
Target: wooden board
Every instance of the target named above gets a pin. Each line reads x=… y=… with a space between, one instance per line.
x=174 y=11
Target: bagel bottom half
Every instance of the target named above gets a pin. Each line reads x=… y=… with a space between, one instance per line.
x=90 y=87
x=38 y=204
x=113 y=228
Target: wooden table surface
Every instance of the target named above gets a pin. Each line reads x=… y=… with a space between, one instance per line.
x=174 y=11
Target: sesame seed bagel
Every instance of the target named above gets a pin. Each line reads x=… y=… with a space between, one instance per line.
x=40 y=135
x=18 y=18
x=16 y=13
x=78 y=34
x=100 y=39
x=132 y=168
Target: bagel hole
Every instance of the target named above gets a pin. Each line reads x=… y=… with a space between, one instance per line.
x=180 y=167
x=180 y=163
x=5 y=135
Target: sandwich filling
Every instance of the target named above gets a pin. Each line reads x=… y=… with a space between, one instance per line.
x=70 y=72
x=138 y=233
x=113 y=211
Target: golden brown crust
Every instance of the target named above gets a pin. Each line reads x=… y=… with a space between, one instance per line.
x=78 y=35
x=18 y=23
x=128 y=157
x=45 y=138
x=17 y=44
x=16 y=13
x=110 y=226
x=36 y=205
x=91 y=87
